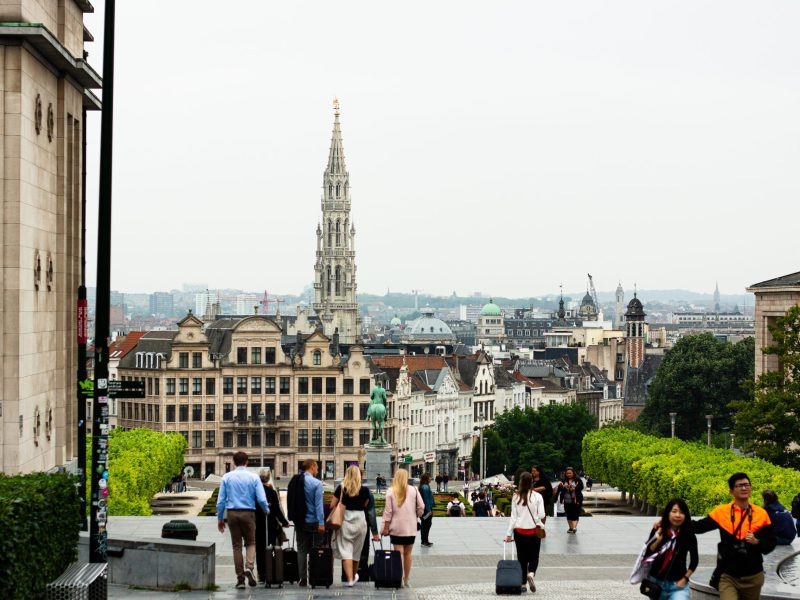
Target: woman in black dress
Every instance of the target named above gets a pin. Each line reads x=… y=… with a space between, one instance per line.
x=570 y=492
x=545 y=489
x=267 y=525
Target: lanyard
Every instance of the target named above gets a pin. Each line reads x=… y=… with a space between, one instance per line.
x=746 y=513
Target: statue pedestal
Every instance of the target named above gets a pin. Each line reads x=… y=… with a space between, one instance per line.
x=378 y=460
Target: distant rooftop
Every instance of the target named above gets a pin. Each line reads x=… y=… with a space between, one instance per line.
x=791 y=280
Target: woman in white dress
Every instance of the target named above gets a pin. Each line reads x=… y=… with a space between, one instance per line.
x=349 y=539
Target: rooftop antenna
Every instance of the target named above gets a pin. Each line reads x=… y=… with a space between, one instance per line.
x=278 y=301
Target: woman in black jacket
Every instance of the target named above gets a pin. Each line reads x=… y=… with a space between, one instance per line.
x=267 y=525
x=545 y=489
x=570 y=492
x=673 y=539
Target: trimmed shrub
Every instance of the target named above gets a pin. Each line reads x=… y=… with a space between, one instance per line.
x=39 y=518
x=210 y=507
x=659 y=469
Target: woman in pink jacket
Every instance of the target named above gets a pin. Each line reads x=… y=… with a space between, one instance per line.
x=403 y=507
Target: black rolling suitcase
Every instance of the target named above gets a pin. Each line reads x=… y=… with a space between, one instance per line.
x=291 y=571
x=508 y=577
x=274 y=564
x=388 y=568
x=320 y=567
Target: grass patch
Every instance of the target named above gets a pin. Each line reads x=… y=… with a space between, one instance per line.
x=182 y=586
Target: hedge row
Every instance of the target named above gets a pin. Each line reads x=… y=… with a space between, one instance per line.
x=140 y=463
x=40 y=524
x=659 y=469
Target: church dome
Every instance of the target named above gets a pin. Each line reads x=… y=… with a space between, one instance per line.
x=395 y=322
x=490 y=310
x=635 y=308
x=587 y=300
x=428 y=326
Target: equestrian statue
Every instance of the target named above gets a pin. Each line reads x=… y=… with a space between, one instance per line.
x=377 y=414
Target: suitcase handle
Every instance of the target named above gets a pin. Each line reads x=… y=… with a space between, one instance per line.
x=513 y=547
x=373 y=545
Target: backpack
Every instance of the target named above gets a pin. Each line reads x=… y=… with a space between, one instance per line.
x=455 y=510
x=796 y=507
x=296 y=499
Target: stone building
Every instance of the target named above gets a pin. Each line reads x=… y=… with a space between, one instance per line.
x=46 y=83
x=491 y=329
x=773 y=298
x=234 y=385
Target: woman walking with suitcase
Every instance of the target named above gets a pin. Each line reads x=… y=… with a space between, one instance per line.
x=267 y=525
x=349 y=538
x=526 y=525
x=404 y=505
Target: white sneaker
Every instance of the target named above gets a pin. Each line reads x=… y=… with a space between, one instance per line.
x=531 y=583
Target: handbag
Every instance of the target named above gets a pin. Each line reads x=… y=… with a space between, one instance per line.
x=336 y=518
x=540 y=532
x=650 y=589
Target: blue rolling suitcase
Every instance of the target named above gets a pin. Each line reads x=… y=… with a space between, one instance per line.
x=388 y=568
x=508 y=577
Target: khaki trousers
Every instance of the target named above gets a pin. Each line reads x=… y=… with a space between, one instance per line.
x=740 y=588
x=242 y=524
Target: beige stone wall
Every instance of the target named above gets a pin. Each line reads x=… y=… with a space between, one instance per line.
x=770 y=304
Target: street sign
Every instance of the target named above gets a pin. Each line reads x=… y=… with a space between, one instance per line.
x=116 y=389
x=408 y=459
x=429 y=457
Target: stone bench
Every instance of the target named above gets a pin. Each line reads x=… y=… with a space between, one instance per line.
x=775 y=587
x=157 y=563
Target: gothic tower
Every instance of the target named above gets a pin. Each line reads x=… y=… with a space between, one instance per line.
x=716 y=298
x=335 y=269
x=634 y=333
x=619 y=308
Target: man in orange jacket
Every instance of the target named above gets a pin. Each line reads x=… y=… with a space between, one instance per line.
x=746 y=534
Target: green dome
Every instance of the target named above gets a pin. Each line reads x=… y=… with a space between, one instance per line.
x=396 y=322
x=490 y=310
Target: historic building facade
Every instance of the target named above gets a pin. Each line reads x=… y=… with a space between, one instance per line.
x=46 y=83
x=232 y=385
x=773 y=298
x=335 y=268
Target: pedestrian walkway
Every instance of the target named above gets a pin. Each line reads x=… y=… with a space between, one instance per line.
x=594 y=563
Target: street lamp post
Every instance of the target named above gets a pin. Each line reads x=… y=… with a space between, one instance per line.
x=319 y=452
x=672 y=416
x=708 y=423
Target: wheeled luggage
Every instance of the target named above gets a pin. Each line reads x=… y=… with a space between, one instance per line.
x=291 y=571
x=388 y=568
x=274 y=565
x=508 y=577
x=320 y=567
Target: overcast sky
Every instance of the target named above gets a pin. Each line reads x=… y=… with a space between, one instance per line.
x=502 y=147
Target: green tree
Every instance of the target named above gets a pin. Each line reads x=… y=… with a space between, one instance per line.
x=699 y=376
x=496 y=453
x=768 y=424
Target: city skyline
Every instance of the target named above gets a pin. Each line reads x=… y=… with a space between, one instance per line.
x=506 y=150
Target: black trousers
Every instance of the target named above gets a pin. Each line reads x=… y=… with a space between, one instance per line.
x=528 y=547
x=426 y=528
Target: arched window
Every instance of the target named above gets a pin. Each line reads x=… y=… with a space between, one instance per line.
x=338 y=232
x=330 y=190
x=328 y=280
x=338 y=190
x=317 y=357
x=330 y=232
x=338 y=280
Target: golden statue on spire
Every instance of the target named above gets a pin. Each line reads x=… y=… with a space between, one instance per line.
x=336 y=106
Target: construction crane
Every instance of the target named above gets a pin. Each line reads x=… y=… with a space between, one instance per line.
x=593 y=292
x=416 y=299
x=264 y=302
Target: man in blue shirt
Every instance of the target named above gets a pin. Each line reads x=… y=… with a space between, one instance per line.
x=238 y=493
x=309 y=534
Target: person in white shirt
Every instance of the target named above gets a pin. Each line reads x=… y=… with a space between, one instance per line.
x=527 y=514
x=455 y=508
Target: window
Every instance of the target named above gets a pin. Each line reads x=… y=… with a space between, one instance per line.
x=285 y=385
x=197 y=360
x=363 y=386
x=149 y=386
x=269 y=356
x=330 y=437
x=241 y=385
x=316 y=438
x=347 y=437
x=255 y=385
x=183 y=413
x=363 y=407
x=316 y=412
x=197 y=412
x=316 y=385
x=158 y=414
x=269 y=412
x=347 y=411
x=241 y=356
x=170 y=413
x=330 y=385
x=302 y=383
x=363 y=436
x=348 y=386
x=302 y=438
x=183 y=386
x=285 y=438
x=330 y=412
x=302 y=412
x=269 y=385
x=227 y=385
x=270 y=439
x=197 y=386
x=317 y=358
x=255 y=411
x=210 y=412
x=170 y=386
x=185 y=435
x=136 y=411
x=241 y=411
x=227 y=439
x=241 y=439
x=255 y=439
x=197 y=439
x=284 y=413
x=210 y=441
x=255 y=357
x=158 y=386
x=183 y=360
x=211 y=384
x=227 y=412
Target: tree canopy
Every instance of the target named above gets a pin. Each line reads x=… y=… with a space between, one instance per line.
x=768 y=424
x=699 y=376
x=550 y=437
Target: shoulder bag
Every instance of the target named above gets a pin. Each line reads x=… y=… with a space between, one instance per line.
x=540 y=532
x=336 y=518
